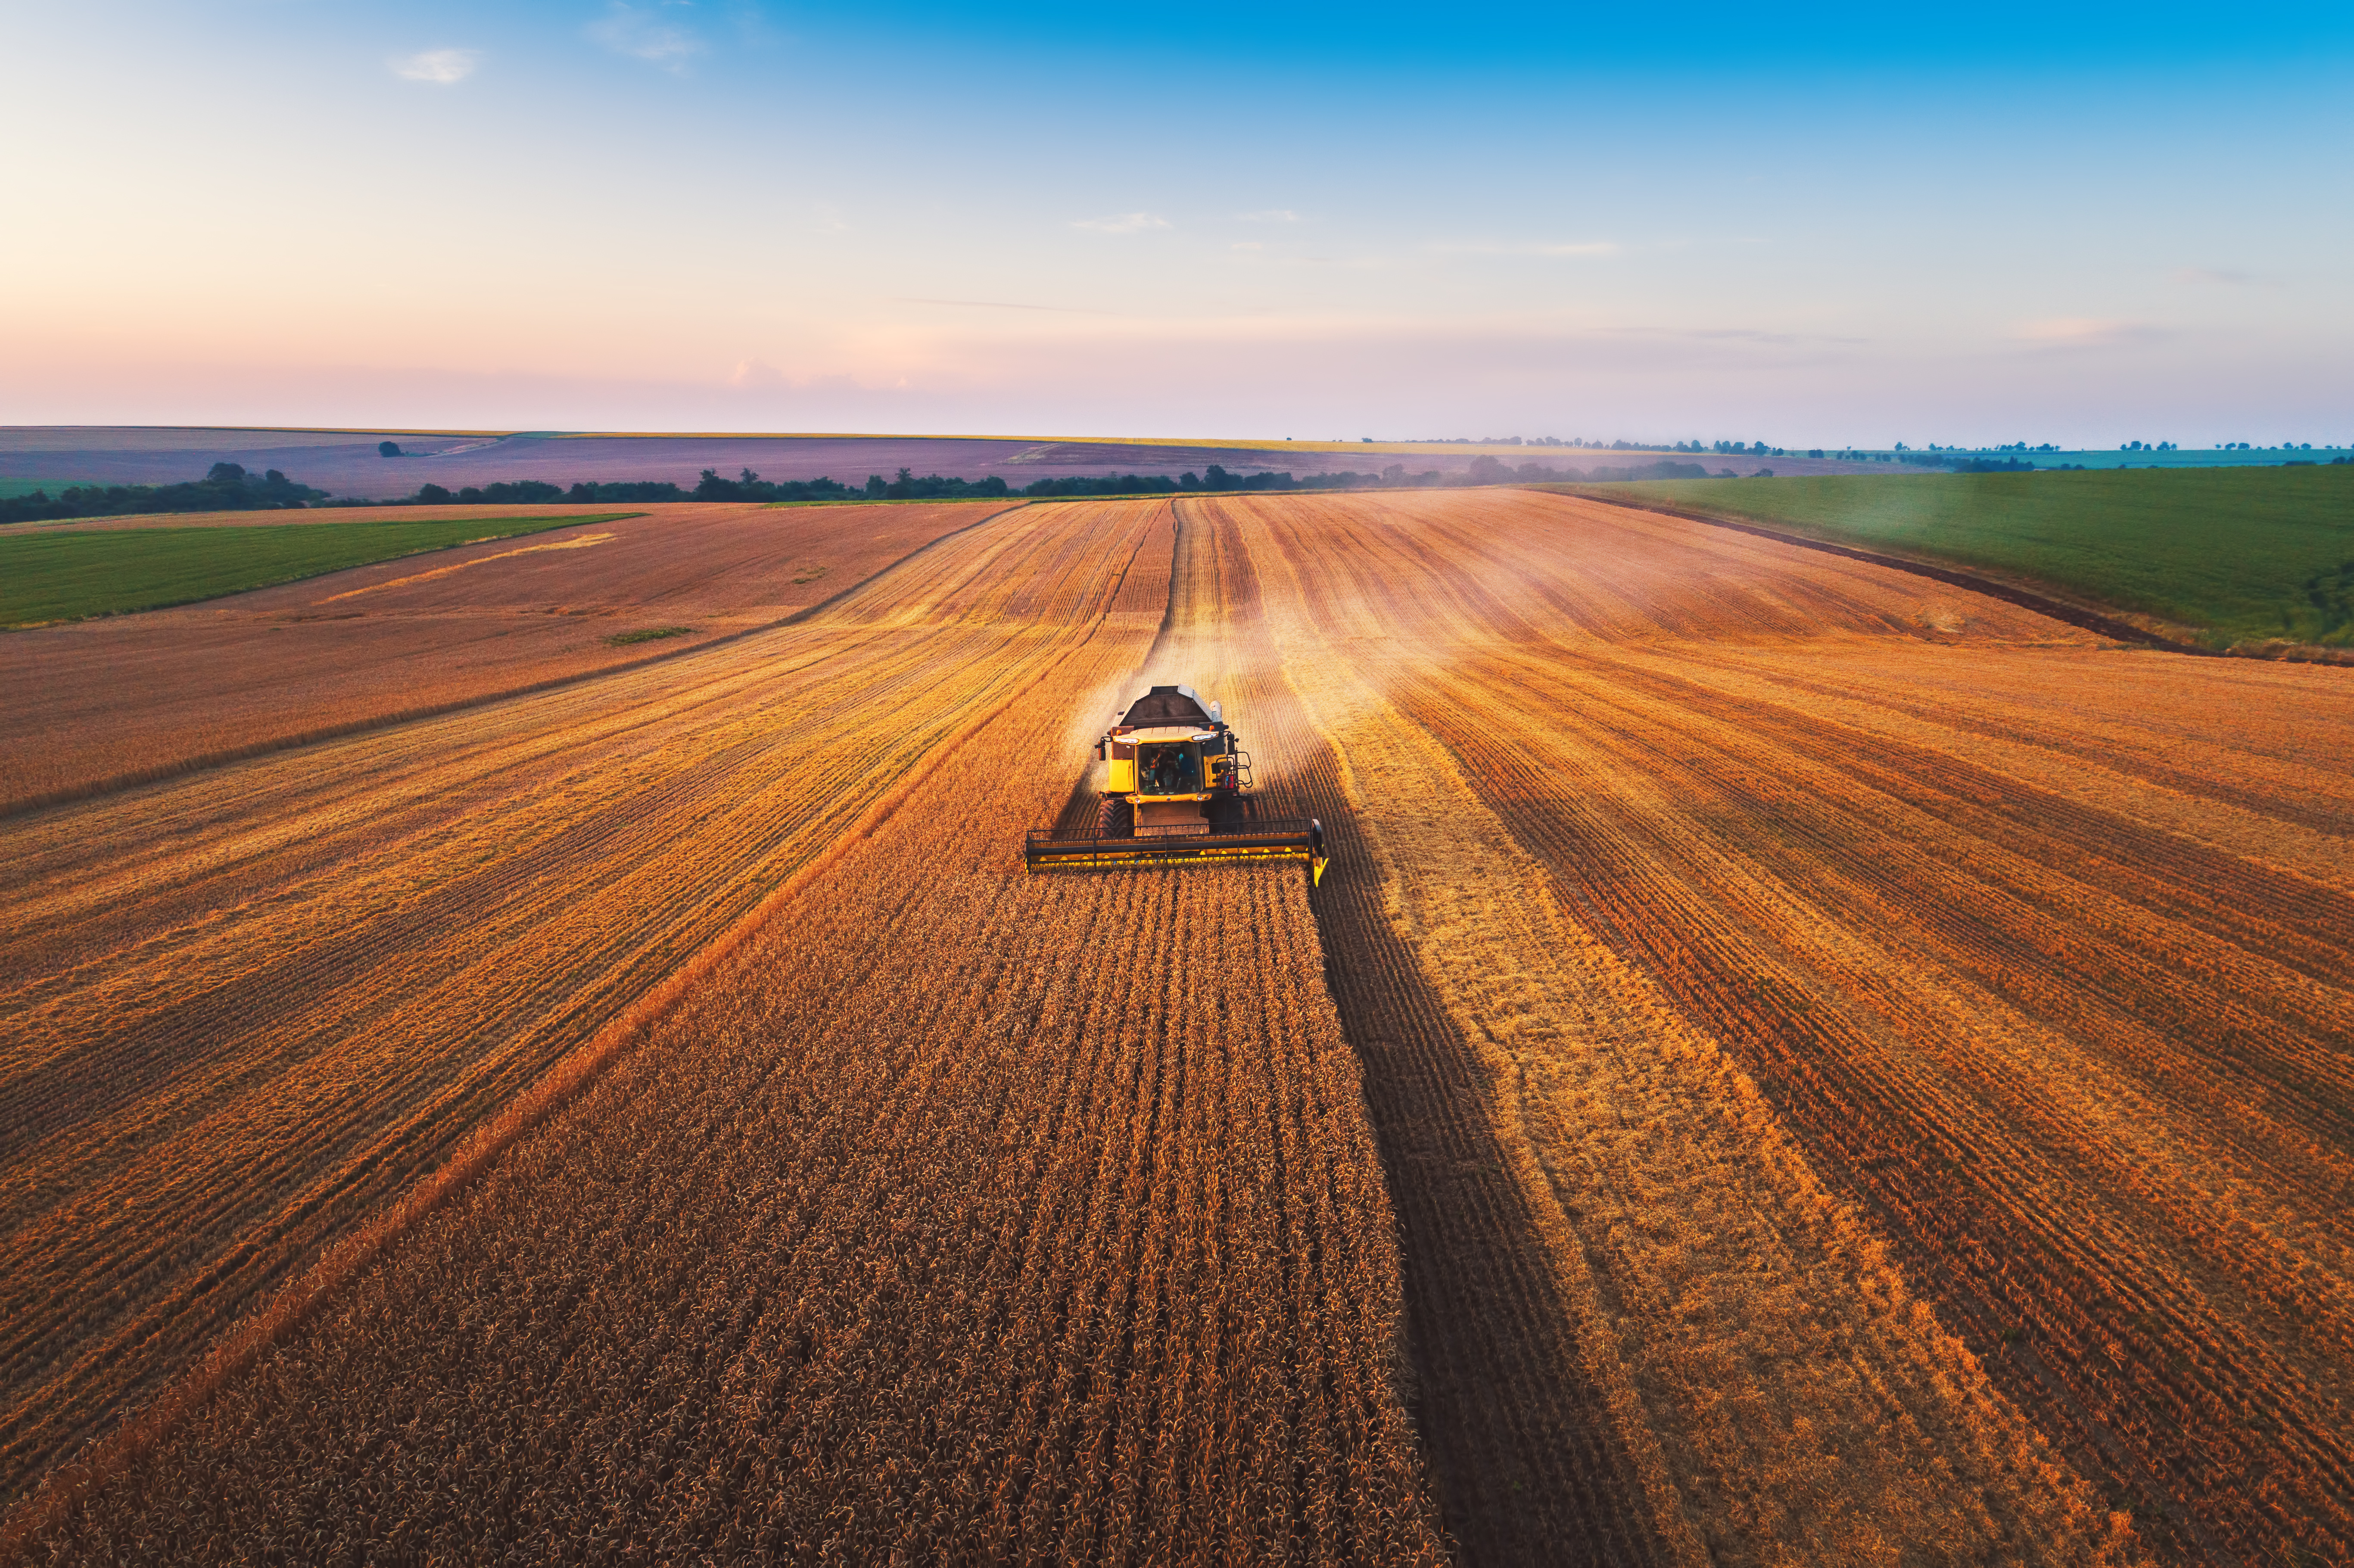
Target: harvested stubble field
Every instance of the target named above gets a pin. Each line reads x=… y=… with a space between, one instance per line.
x=240 y=1010
x=102 y=703
x=1859 y=1071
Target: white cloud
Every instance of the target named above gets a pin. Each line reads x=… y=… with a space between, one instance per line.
x=443 y=67
x=1126 y=223
x=639 y=32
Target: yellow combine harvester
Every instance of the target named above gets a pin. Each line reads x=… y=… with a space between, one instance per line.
x=1178 y=792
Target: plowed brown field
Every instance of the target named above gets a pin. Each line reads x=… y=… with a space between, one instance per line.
x=105 y=703
x=1859 y=1071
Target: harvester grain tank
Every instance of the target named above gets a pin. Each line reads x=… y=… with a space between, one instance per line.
x=1176 y=791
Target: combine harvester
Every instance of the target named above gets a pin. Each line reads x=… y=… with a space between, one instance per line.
x=1178 y=794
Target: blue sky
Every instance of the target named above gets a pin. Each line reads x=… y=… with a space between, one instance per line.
x=1836 y=225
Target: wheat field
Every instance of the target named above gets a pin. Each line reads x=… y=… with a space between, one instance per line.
x=1790 y=1063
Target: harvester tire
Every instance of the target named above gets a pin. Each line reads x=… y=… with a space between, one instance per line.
x=1116 y=819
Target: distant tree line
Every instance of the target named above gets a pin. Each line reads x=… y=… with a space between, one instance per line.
x=1484 y=469
x=228 y=488
x=1960 y=464
x=1489 y=471
x=746 y=486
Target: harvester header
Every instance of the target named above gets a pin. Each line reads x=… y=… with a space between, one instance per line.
x=1176 y=791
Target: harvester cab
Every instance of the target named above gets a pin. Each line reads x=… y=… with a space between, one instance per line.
x=1176 y=789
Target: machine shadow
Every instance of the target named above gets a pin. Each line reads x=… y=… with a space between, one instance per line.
x=1523 y=1447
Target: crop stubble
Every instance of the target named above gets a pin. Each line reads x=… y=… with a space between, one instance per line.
x=1787 y=928
x=240 y=1010
x=958 y=1214
x=106 y=702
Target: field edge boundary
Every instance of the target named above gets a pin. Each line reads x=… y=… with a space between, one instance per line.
x=137 y=778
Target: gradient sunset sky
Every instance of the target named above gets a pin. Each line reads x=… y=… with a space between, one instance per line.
x=1812 y=227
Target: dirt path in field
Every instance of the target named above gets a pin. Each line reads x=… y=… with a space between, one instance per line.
x=958 y=1215
x=240 y=1011
x=1797 y=913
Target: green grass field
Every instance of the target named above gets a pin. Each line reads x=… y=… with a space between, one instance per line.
x=69 y=575
x=2237 y=556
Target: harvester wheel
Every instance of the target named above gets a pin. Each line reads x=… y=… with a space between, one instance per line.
x=1116 y=819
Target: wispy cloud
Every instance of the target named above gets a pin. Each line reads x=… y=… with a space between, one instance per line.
x=1126 y=223
x=1563 y=249
x=443 y=67
x=1272 y=215
x=640 y=33
x=2086 y=332
x=2226 y=277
